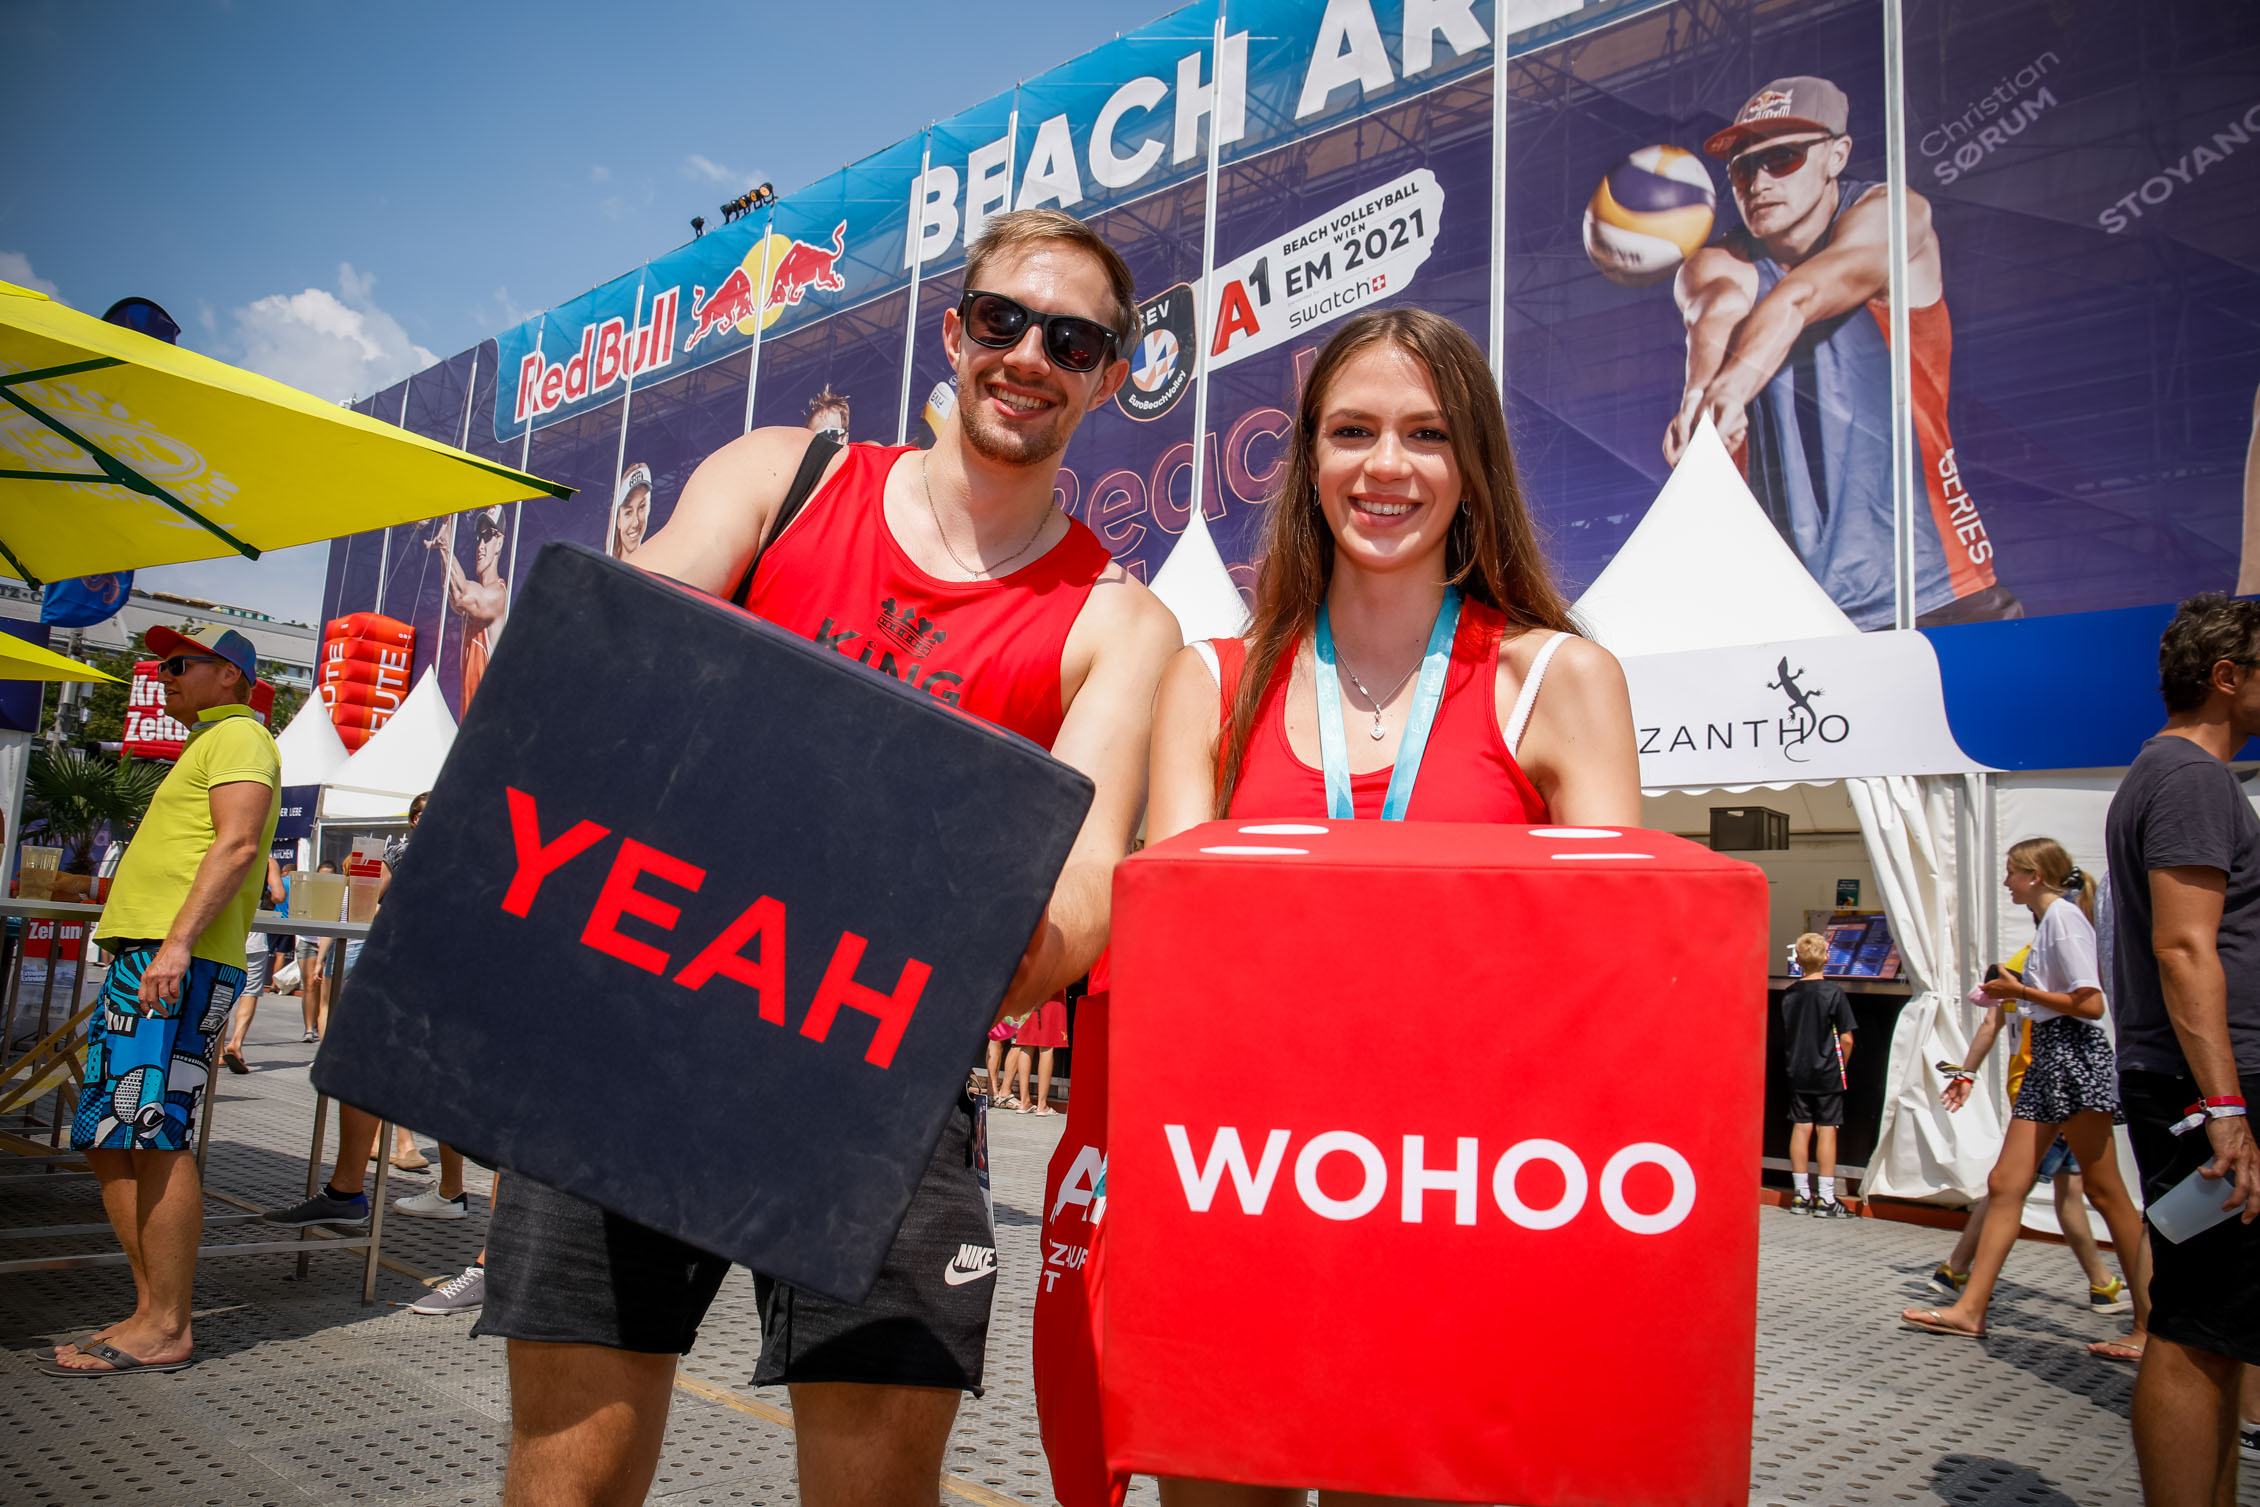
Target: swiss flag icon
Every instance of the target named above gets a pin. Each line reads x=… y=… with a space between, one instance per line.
x=1438 y=1282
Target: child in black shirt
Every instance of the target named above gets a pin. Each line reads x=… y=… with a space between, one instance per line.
x=1816 y=1028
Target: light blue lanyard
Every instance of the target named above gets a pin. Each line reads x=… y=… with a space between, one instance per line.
x=1428 y=694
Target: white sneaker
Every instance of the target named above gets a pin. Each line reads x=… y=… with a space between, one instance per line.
x=310 y=1036
x=429 y=1205
x=459 y=1294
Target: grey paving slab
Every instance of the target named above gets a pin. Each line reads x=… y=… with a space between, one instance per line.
x=302 y=1395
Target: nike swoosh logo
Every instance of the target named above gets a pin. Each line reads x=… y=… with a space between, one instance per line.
x=958 y=1276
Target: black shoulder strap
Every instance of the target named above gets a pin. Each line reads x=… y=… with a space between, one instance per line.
x=821 y=448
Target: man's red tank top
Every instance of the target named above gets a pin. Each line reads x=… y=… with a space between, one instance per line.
x=1468 y=773
x=992 y=648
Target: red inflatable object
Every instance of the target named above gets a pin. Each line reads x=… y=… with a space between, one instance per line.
x=346 y=716
x=365 y=651
x=364 y=672
x=370 y=626
x=344 y=693
x=1321 y=1278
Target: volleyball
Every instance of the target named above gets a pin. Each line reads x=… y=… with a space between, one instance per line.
x=1651 y=212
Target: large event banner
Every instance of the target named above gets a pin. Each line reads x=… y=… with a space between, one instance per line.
x=2090 y=177
x=673 y=425
x=1393 y=208
x=416 y=578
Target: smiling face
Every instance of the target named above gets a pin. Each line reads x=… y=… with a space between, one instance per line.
x=1771 y=206
x=635 y=513
x=1015 y=406
x=489 y=554
x=1388 y=479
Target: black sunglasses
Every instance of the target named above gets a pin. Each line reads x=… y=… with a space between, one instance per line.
x=178 y=664
x=1074 y=343
x=1774 y=161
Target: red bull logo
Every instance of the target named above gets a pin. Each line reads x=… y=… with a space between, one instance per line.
x=731 y=305
x=794 y=269
x=608 y=353
x=803 y=267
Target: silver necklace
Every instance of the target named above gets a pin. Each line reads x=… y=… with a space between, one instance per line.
x=1375 y=702
x=984 y=570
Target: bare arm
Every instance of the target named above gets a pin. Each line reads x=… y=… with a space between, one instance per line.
x=2248 y=560
x=2185 y=931
x=726 y=509
x=1854 y=267
x=239 y=818
x=2087 y=1004
x=1579 y=748
x=1125 y=636
x=1186 y=729
x=1715 y=289
x=1957 y=1092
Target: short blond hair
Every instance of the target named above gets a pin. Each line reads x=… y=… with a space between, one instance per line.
x=1031 y=227
x=1812 y=952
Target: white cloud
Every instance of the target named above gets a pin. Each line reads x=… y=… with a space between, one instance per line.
x=15 y=268
x=599 y=173
x=699 y=166
x=335 y=346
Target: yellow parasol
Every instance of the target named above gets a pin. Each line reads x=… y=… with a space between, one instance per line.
x=118 y=451
x=20 y=659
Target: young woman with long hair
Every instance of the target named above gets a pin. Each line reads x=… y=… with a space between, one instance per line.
x=2071 y=1087
x=1405 y=619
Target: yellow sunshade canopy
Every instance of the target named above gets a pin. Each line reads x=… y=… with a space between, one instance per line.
x=119 y=451
x=21 y=659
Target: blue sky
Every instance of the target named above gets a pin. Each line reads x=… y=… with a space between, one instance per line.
x=336 y=194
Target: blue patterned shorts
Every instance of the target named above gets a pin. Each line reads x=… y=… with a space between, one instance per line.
x=146 y=1074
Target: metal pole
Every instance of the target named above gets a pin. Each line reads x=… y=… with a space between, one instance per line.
x=1499 y=201
x=627 y=402
x=384 y=556
x=760 y=316
x=1903 y=479
x=1208 y=272
x=917 y=269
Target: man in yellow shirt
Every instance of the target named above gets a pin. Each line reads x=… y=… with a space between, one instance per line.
x=179 y=910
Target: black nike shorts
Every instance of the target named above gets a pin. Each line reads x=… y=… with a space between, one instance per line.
x=562 y=1271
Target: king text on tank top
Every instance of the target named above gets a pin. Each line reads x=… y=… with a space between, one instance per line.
x=1820 y=451
x=1467 y=773
x=991 y=648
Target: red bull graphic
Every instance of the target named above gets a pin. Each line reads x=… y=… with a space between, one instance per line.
x=802 y=267
x=794 y=268
x=731 y=305
x=608 y=353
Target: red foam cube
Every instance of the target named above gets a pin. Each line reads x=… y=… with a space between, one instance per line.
x=1465 y=1205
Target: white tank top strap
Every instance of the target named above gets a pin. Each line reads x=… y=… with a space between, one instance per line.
x=1207 y=651
x=1520 y=718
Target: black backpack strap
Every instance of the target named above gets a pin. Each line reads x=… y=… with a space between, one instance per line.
x=821 y=448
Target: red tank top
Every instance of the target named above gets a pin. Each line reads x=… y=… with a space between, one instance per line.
x=991 y=648
x=1467 y=774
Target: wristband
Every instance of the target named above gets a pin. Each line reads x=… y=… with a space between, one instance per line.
x=2225 y=1107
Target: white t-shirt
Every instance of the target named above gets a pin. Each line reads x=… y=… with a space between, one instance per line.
x=2063 y=956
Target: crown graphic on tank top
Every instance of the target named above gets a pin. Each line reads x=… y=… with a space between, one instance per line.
x=910 y=628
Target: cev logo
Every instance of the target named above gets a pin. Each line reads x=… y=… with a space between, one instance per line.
x=1202 y=1180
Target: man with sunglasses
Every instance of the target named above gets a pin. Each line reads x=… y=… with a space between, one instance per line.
x=952 y=570
x=174 y=927
x=1788 y=352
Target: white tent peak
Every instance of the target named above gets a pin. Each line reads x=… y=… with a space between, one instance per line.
x=400 y=761
x=1193 y=584
x=312 y=752
x=1706 y=569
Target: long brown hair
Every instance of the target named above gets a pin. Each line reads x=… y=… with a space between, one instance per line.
x=2045 y=856
x=1493 y=552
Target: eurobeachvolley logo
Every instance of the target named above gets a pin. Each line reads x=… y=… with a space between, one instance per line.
x=1161 y=357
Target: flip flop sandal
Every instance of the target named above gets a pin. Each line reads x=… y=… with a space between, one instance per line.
x=1940 y=1326
x=232 y=1060
x=416 y=1163
x=49 y=1352
x=2119 y=1352
x=119 y=1363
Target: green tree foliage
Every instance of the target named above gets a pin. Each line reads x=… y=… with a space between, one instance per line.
x=73 y=795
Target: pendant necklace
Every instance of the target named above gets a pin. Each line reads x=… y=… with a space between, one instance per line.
x=991 y=570
x=1378 y=732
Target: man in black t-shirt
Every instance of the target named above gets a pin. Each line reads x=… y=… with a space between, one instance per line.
x=2184 y=848
x=1816 y=1032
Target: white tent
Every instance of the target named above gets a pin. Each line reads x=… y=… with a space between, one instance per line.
x=400 y=761
x=312 y=752
x=1705 y=569
x=1743 y=674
